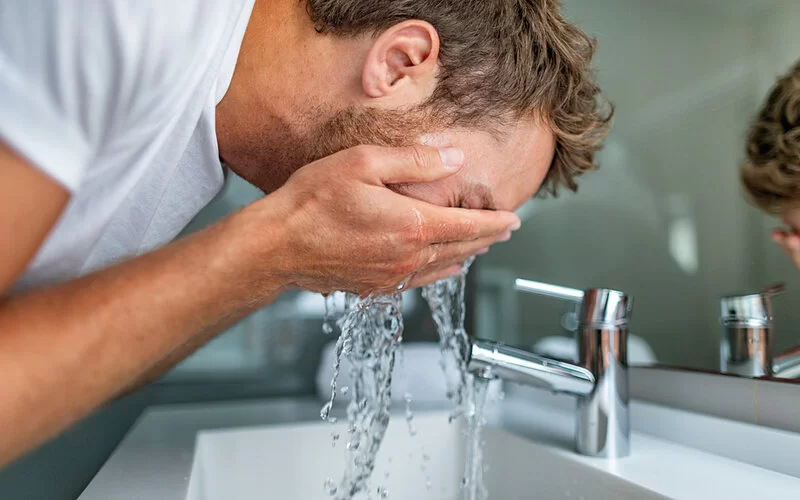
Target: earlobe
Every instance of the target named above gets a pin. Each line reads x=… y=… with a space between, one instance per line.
x=404 y=55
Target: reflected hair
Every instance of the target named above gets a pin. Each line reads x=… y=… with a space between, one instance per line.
x=771 y=174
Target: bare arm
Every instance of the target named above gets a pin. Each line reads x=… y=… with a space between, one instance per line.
x=66 y=349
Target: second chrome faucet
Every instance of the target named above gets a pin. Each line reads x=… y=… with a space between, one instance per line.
x=599 y=379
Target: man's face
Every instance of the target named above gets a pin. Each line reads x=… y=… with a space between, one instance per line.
x=501 y=171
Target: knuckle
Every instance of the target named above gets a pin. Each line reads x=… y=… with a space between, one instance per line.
x=473 y=228
x=419 y=156
x=362 y=155
x=405 y=267
x=416 y=231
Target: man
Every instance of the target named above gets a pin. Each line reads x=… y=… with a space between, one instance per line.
x=115 y=115
x=771 y=175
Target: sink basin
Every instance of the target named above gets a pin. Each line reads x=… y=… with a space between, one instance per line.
x=291 y=462
x=262 y=450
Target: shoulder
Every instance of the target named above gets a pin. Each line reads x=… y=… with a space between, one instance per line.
x=76 y=71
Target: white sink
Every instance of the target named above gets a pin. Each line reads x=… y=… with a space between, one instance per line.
x=292 y=462
x=261 y=450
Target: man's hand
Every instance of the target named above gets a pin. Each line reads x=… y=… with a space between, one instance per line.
x=790 y=242
x=345 y=229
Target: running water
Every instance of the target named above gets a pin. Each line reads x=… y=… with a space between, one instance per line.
x=446 y=301
x=474 y=487
x=371 y=331
x=330 y=312
x=467 y=393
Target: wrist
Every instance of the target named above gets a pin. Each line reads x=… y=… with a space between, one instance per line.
x=257 y=242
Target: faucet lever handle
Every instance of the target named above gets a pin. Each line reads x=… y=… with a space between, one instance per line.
x=554 y=291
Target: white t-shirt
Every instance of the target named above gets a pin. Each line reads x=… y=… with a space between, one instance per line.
x=115 y=99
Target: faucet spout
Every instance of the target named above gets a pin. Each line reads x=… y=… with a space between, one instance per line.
x=787 y=364
x=599 y=379
x=491 y=359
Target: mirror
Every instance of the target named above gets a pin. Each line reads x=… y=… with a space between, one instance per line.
x=665 y=219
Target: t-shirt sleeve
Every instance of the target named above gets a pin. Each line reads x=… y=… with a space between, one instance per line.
x=44 y=84
x=34 y=126
x=82 y=78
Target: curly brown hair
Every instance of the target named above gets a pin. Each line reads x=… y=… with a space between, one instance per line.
x=771 y=175
x=500 y=60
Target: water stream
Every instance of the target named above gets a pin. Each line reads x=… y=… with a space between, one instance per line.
x=467 y=393
x=371 y=330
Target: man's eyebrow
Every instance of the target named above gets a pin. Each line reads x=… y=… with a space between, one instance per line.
x=480 y=194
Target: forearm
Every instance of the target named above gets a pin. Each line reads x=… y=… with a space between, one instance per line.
x=67 y=349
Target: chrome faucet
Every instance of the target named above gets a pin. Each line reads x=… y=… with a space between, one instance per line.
x=599 y=379
x=747 y=339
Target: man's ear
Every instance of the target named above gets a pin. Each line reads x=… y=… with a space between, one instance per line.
x=402 y=62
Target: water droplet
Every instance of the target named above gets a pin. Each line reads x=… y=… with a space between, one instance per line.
x=426 y=457
x=330 y=311
x=330 y=487
x=464 y=482
x=383 y=492
x=326 y=410
x=344 y=390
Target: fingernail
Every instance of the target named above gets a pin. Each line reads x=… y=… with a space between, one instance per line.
x=506 y=236
x=515 y=225
x=452 y=157
x=483 y=251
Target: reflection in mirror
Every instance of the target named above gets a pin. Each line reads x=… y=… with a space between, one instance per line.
x=666 y=219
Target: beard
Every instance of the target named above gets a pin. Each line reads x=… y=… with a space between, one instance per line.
x=270 y=157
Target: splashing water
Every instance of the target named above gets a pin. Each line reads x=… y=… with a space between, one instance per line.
x=467 y=393
x=330 y=313
x=473 y=484
x=371 y=331
x=446 y=301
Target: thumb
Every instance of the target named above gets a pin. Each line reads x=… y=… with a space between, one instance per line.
x=414 y=164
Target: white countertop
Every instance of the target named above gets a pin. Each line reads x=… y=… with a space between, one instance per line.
x=154 y=461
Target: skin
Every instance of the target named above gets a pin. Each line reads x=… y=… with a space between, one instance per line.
x=336 y=217
x=789 y=239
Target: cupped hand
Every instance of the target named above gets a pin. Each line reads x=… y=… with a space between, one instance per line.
x=345 y=229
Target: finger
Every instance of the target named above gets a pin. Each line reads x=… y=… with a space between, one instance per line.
x=411 y=164
x=450 y=253
x=433 y=276
x=779 y=235
x=446 y=225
